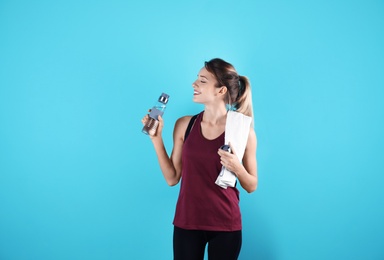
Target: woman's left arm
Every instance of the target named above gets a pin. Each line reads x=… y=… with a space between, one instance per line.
x=247 y=171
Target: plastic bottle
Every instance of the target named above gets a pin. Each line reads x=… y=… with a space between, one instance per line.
x=158 y=109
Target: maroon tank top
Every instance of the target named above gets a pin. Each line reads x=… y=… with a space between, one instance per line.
x=202 y=205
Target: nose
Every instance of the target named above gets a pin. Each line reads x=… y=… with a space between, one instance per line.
x=194 y=85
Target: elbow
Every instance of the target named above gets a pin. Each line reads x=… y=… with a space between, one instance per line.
x=252 y=188
x=173 y=182
x=172 y=178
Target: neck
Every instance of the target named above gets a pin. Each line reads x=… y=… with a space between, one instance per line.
x=215 y=115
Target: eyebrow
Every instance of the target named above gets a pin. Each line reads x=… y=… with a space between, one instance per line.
x=202 y=76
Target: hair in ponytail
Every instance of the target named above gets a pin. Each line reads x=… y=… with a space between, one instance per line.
x=239 y=95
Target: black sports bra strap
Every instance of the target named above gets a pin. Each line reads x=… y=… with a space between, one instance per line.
x=191 y=122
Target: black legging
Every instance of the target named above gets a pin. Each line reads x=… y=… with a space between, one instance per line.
x=190 y=244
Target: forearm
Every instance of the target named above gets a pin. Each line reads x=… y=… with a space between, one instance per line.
x=166 y=164
x=247 y=180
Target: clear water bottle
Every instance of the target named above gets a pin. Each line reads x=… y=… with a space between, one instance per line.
x=157 y=110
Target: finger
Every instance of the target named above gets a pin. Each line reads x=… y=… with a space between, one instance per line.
x=161 y=121
x=144 y=119
x=222 y=153
x=222 y=162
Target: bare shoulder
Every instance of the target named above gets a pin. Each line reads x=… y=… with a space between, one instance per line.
x=252 y=132
x=252 y=139
x=181 y=126
x=183 y=120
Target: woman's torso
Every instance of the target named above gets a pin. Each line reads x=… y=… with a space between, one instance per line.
x=203 y=205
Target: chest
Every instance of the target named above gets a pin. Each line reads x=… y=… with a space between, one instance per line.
x=211 y=132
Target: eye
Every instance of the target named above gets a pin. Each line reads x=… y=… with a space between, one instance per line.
x=202 y=81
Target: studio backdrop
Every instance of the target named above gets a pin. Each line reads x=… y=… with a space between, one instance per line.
x=78 y=178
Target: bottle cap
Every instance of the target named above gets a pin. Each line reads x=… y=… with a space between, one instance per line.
x=163 y=98
x=226 y=147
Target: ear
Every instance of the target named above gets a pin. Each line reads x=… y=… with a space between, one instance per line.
x=223 y=90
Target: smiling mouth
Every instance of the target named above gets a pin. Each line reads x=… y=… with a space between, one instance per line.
x=196 y=93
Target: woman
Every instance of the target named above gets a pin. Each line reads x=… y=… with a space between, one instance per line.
x=207 y=213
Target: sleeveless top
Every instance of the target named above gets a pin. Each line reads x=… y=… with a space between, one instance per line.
x=203 y=205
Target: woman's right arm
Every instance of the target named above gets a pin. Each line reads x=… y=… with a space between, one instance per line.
x=170 y=166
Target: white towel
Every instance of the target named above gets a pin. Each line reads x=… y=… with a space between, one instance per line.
x=236 y=133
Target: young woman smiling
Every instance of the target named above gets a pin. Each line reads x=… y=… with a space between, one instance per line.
x=205 y=212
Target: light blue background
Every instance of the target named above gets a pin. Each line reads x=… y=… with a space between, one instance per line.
x=78 y=179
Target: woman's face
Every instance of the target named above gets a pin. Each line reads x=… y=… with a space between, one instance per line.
x=204 y=90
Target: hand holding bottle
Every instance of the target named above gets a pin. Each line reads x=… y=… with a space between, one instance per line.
x=152 y=121
x=159 y=129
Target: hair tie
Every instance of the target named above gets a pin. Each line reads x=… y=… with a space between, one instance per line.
x=241 y=88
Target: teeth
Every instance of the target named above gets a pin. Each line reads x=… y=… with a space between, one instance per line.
x=195 y=92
